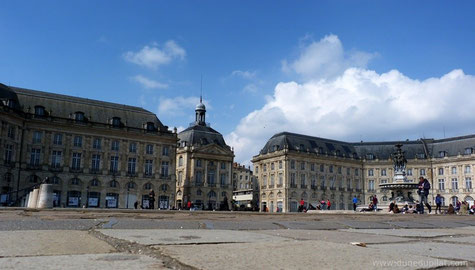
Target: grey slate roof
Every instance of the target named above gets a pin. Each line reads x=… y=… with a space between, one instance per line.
x=381 y=150
x=95 y=111
x=201 y=135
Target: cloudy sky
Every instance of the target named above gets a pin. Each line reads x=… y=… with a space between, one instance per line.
x=348 y=70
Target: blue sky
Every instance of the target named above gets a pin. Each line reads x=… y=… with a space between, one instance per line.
x=152 y=54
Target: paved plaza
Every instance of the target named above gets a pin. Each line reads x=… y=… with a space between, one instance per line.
x=127 y=239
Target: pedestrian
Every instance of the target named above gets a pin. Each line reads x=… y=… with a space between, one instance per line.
x=375 y=203
x=136 y=204
x=396 y=209
x=423 y=191
x=438 y=203
x=329 y=204
x=302 y=203
x=323 y=204
x=355 y=203
x=464 y=209
x=391 y=206
x=151 y=199
x=188 y=205
x=457 y=205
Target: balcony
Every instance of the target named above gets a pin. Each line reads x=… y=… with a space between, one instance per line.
x=148 y=175
x=132 y=174
x=211 y=184
x=293 y=185
x=113 y=172
x=165 y=177
x=332 y=188
x=358 y=190
x=198 y=184
x=33 y=167
x=279 y=185
x=468 y=189
x=94 y=170
x=224 y=185
x=314 y=187
x=75 y=170
x=55 y=168
x=341 y=189
x=303 y=186
x=271 y=186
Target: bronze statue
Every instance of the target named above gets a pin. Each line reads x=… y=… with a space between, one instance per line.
x=399 y=159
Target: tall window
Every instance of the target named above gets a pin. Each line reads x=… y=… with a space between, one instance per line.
x=383 y=172
x=330 y=168
x=468 y=182
x=468 y=169
x=422 y=172
x=409 y=172
x=148 y=167
x=280 y=164
x=56 y=159
x=272 y=166
x=312 y=167
x=58 y=139
x=370 y=172
x=223 y=165
x=292 y=180
x=96 y=143
x=165 y=150
x=356 y=172
x=39 y=111
x=211 y=179
x=198 y=177
x=76 y=162
x=116 y=121
x=11 y=132
x=77 y=141
x=37 y=136
x=35 y=157
x=322 y=168
x=348 y=183
x=264 y=168
x=131 y=164
x=371 y=185
x=264 y=180
x=454 y=170
x=313 y=181
x=114 y=165
x=115 y=145
x=303 y=182
x=198 y=163
x=180 y=161
x=339 y=169
x=8 y=153
x=180 y=178
x=302 y=165
x=149 y=149
x=281 y=180
x=292 y=164
x=133 y=147
x=222 y=179
x=164 y=169
x=441 y=171
x=455 y=184
x=348 y=171
x=441 y=184
x=96 y=162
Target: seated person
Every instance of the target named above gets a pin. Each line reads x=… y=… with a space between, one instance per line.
x=451 y=210
x=396 y=209
x=391 y=206
x=370 y=208
x=472 y=209
x=411 y=210
x=405 y=208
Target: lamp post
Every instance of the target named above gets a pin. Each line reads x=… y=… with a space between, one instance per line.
x=87 y=197
x=127 y=203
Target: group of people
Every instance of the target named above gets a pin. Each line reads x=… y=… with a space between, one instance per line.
x=151 y=201
x=320 y=205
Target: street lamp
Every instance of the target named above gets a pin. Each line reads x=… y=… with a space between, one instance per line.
x=87 y=197
x=127 y=203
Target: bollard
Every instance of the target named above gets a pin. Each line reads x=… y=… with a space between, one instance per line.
x=25 y=202
x=30 y=199
x=34 y=198
x=45 y=196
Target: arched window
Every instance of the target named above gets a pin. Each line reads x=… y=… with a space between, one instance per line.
x=75 y=181
x=131 y=185
x=39 y=111
x=94 y=183
x=113 y=184
x=212 y=194
x=148 y=186
x=116 y=121
x=198 y=192
x=164 y=187
x=79 y=116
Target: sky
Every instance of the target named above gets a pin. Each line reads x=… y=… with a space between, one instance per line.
x=346 y=70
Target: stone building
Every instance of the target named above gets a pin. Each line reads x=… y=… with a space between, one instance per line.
x=96 y=154
x=246 y=187
x=292 y=167
x=204 y=166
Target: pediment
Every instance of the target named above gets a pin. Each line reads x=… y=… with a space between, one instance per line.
x=214 y=149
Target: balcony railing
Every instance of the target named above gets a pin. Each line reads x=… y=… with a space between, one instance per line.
x=314 y=187
x=33 y=166
x=293 y=185
x=332 y=188
x=279 y=185
x=55 y=168
x=75 y=170
x=263 y=187
x=303 y=186
x=198 y=184
x=341 y=189
x=271 y=186
x=224 y=185
x=211 y=184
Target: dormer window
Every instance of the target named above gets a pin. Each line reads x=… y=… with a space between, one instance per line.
x=369 y=156
x=338 y=153
x=150 y=126
x=116 y=121
x=39 y=111
x=79 y=116
x=421 y=156
x=468 y=151
x=442 y=154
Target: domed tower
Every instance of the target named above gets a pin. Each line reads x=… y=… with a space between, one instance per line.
x=200 y=113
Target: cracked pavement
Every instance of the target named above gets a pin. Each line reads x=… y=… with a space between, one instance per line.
x=129 y=239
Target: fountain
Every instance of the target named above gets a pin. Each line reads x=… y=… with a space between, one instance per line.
x=401 y=188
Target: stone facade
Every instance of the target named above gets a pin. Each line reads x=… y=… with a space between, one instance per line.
x=204 y=166
x=292 y=167
x=246 y=187
x=96 y=154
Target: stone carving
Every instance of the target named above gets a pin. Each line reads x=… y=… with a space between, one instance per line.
x=399 y=160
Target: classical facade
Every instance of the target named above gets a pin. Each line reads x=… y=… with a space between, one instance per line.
x=292 y=167
x=246 y=188
x=204 y=166
x=96 y=154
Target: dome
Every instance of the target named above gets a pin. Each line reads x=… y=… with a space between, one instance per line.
x=200 y=107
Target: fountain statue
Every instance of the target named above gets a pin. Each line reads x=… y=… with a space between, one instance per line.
x=401 y=188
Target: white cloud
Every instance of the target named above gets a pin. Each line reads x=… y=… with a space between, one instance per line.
x=179 y=105
x=153 y=56
x=325 y=59
x=244 y=74
x=359 y=104
x=250 y=88
x=149 y=83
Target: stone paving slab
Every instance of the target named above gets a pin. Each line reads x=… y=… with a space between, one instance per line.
x=459 y=239
x=411 y=224
x=34 y=243
x=357 y=224
x=112 y=261
x=40 y=224
x=311 y=225
x=334 y=236
x=240 y=225
x=152 y=224
x=175 y=237
x=291 y=255
x=407 y=232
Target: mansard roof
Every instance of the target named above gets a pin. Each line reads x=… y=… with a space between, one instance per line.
x=419 y=149
x=64 y=106
x=201 y=135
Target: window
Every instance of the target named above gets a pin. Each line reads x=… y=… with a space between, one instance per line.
x=322 y=168
x=223 y=179
x=39 y=111
x=114 y=164
x=133 y=147
x=96 y=143
x=56 y=159
x=113 y=184
x=199 y=192
x=369 y=156
x=454 y=170
x=131 y=164
x=265 y=168
x=131 y=185
x=292 y=180
x=441 y=171
x=94 y=183
x=198 y=177
x=356 y=172
x=165 y=150
x=422 y=172
x=164 y=169
x=292 y=164
x=339 y=169
x=11 y=132
x=115 y=145
x=180 y=161
x=58 y=139
x=370 y=172
x=79 y=116
x=468 y=182
x=77 y=141
x=272 y=166
x=96 y=162
x=76 y=162
x=149 y=149
x=280 y=164
x=442 y=154
x=454 y=200
x=35 y=157
x=468 y=169
x=75 y=181
x=371 y=185
x=223 y=165
x=210 y=178
x=150 y=126
x=116 y=121
x=281 y=180
x=147 y=186
x=409 y=172
x=312 y=167
x=37 y=136
x=384 y=181
x=348 y=171
x=8 y=153
x=303 y=182
x=348 y=183
x=441 y=184
x=148 y=167
x=468 y=151
x=421 y=155
x=302 y=165
x=198 y=163
x=322 y=182
x=383 y=172
x=330 y=168
x=455 y=184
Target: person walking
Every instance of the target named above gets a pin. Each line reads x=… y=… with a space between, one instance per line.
x=329 y=204
x=438 y=203
x=355 y=203
x=151 y=199
x=375 y=203
x=302 y=203
x=423 y=191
